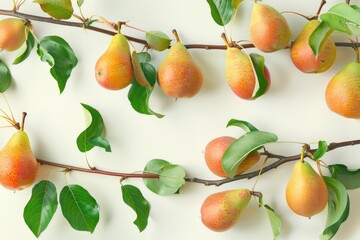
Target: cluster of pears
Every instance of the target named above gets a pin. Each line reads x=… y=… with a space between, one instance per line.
x=12 y=34
x=306 y=191
x=178 y=74
x=18 y=165
x=220 y=211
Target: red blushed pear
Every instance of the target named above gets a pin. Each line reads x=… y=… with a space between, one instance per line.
x=178 y=74
x=221 y=211
x=114 y=70
x=269 y=30
x=18 y=165
x=306 y=191
x=12 y=34
x=304 y=58
x=343 y=91
x=240 y=73
x=215 y=150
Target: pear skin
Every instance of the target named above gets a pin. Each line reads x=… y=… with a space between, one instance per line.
x=269 y=30
x=303 y=57
x=240 y=75
x=12 y=34
x=113 y=70
x=306 y=191
x=178 y=74
x=18 y=164
x=220 y=211
x=343 y=91
x=215 y=150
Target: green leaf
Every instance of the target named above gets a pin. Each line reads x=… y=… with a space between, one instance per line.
x=133 y=197
x=349 y=177
x=221 y=11
x=89 y=23
x=30 y=43
x=139 y=96
x=246 y=126
x=240 y=148
x=236 y=3
x=144 y=57
x=258 y=62
x=322 y=149
x=319 y=37
x=92 y=135
x=5 y=77
x=157 y=40
x=79 y=208
x=41 y=207
x=58 y=9
x=80 y=2
x=171 y=177
x=59 y=55
x=344 y=18
x=275 y=221
x=338 y=207
x=138 y=72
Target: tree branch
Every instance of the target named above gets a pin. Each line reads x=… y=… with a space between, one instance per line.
x=281 y=160
x=138 y=40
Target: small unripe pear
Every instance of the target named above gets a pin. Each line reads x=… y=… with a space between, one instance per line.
x=220 y=211
x=269 y=30
x=113 y=70
x=304 y=58
x=12 y=34
x=306 y=191
x=178 y=74
x=18 y=165
x=215 y=150
x=343 y=91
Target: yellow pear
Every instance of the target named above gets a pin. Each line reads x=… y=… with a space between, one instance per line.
x=306 y=192
x=18 y=165
x=220 y=211
x=304 y=58
x=113 y=70
x=178 y=74
x=12 y=34
x=269 y=30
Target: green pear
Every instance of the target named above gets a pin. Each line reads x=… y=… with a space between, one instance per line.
x=304 y=58
x=343 y=91
x=269 y=30
x=113 y=70
x=220 y=211
x=12 y=34
x=306 y=191
x=18 y=165
x=178 y=74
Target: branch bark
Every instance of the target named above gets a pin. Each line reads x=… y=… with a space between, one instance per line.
x=31 y=17
x=280 y=161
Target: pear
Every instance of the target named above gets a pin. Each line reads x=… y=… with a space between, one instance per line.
x=215 y=150
x=178 y=74
x=18 y=165
x=239 y=72
x=12 y=34
x=343 y=91
x=306 y=192
x=113 y=70
x=269 y=30
x=303 y=57
x=220 y=211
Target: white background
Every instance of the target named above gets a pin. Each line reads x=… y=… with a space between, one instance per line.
x=294 y=109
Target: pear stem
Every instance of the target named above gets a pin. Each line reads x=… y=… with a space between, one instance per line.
x=304 y=148
x=357 y=54
x=23 y=121
x=119 y=27
x=223 y=36
x=322 y=3
x=176 y=35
